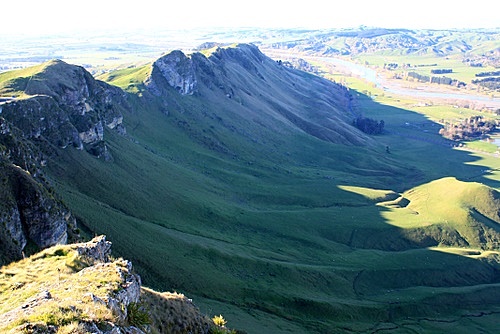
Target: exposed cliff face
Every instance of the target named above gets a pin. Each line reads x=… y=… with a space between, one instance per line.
x=176 y=70
x=29 y=214
x=63 y=105
x=66 y=106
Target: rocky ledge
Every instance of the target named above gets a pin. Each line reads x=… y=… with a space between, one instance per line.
x=80 y=288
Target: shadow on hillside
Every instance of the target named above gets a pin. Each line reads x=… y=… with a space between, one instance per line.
x=411 y=280
x=413 y=138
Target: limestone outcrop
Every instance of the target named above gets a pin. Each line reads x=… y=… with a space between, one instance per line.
x=175 y=69
x=116 y=288
x=65 y=106
x=30 y=215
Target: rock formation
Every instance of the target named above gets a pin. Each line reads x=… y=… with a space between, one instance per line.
x=66 y=106
x=30 y=215
x=177 y=70
x=78 y=288
x=62 y=106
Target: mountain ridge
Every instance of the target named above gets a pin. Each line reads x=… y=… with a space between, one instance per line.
x=229 y=65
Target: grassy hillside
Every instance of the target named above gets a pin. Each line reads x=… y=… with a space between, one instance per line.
x=127 y=78
x=240 y=197
x=14 y=83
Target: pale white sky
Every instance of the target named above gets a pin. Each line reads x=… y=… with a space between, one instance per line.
x=55 y=16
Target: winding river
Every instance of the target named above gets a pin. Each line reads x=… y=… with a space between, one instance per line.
x=372 y=76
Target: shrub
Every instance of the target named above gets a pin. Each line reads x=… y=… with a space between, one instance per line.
x=219 y=321
x=137 y=315
x=369 y=126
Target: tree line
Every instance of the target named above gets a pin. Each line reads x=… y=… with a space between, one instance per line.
x=438 y=80
x=488 y=74
x=442 y=71
x=492 y=83
x=369 y=125
x=470 y=128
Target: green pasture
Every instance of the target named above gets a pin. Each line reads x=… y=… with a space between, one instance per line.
x=129 y=78
x=13 y=83
x=423 y=64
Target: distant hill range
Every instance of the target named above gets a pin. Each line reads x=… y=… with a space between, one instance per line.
x=480 y=43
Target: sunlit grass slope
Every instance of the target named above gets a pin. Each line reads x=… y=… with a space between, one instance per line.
x=54 y=271
x=445 y=212
x=14 y=83
x=128 y=78
x=451 y=201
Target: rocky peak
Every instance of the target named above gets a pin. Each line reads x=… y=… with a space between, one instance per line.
x=68 y=84
x=243 y=53
x=183 y=72
x=177 y=70
x=66 y=106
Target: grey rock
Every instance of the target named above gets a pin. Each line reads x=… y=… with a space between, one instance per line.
x=177 y=70
x=98 y=249
x=29 y=213
x=67 y=107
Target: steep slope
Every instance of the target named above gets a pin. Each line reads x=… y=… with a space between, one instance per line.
x=234 y=183
x=265 y=91
x=32 y=216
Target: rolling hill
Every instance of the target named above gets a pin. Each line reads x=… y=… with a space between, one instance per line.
x=244 y=184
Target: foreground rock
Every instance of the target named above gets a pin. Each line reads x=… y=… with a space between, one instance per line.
x=78 y=289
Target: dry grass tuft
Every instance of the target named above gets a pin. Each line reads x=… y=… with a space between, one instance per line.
x=174 y=313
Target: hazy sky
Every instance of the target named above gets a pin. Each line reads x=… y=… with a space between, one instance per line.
x=49 y=16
